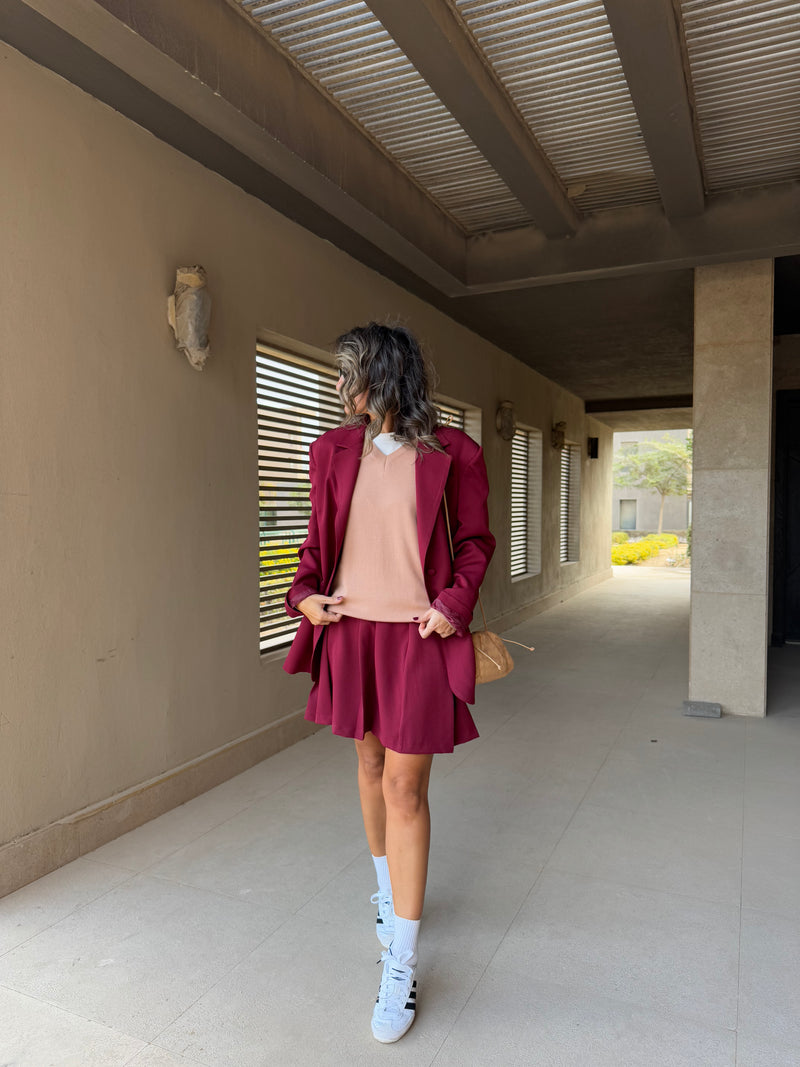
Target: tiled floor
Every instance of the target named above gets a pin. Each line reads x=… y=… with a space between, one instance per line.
x=611 y=883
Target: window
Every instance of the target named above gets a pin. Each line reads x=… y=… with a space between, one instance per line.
x=464 y=417
x=296 y=402
x=627 y=515
x=570 y=503
x=526 y=503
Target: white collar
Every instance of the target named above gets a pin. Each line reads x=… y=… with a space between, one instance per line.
x=387 y=443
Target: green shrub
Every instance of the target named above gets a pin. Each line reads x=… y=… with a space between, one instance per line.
x=619 y=537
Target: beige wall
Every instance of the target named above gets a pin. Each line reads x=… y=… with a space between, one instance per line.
x=129 y=569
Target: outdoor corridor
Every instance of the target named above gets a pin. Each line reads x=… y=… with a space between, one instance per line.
x=612 y=884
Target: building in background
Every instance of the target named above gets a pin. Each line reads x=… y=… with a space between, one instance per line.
x=636 y=510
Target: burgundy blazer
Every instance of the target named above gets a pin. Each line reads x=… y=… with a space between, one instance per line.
x=460 y=473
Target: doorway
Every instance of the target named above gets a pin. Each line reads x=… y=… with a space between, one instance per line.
x=786 y=533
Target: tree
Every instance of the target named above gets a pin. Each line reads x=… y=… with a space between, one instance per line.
x=664 y=466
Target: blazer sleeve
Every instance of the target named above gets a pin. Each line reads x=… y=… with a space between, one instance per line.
x=308 y=576
x=473 y=546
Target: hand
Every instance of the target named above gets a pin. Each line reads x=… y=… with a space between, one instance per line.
x=433 y=622
x=314 y=608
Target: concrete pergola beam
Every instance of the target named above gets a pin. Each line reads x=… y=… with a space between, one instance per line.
x=443 y=51
x=655 y=418
x=641 y=403
x=760 y=223
x=649 y=46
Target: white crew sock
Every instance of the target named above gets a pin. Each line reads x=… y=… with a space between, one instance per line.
x=382 y=871
x=404 y=945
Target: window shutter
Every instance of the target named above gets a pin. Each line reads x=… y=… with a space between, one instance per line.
x=570 y=504
x=534 y=502
x=566 y=455
x=296 y=402
x=526 y=503
x=520 y=467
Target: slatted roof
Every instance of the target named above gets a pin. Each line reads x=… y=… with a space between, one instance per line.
x=557 y=61
x=342 y=46
x=745 y=71
x=558 y=65
x=469 y=147
x=547 y=172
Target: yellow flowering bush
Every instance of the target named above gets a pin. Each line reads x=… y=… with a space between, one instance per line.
x=619 y=537
x=277 y=558
x=663 y=540
x=633 y=553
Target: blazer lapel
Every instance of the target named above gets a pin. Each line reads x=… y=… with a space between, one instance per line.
x=431 y=474
x=346 y=463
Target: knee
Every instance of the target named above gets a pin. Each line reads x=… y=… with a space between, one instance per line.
x=370 y=765
x=405 y=794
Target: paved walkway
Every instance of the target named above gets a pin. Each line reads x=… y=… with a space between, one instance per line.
x=611 y=884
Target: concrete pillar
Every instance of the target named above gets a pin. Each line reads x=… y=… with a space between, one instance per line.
x=731 y=485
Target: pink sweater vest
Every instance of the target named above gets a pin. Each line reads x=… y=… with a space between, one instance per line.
x=380 y=573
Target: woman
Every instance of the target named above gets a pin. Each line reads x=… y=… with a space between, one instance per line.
x=385 y=633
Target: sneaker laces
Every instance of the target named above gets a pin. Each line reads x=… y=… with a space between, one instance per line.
x=395 y=984
x=385 y=905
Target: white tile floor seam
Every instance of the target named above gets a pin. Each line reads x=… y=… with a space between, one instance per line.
x=99 y=854
x=538 y=877
x=222 y=977
x=77 y=907
x=741 y=907
x=519 y=909
x=511 y=922
x=612 y=884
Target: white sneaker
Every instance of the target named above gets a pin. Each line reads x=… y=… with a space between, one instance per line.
x=396 y=1006
x=384 y=924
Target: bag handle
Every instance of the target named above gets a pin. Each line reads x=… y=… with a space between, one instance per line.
x=507 y=640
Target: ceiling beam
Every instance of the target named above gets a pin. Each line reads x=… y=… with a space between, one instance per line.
x=647 y=419
x=444 y=52
x=640 y=403
x=746 y=224
x=648 y=42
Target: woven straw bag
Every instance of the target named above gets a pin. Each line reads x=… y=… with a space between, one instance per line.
x=492 y=658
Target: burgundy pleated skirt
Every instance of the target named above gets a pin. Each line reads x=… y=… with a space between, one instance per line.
x=384 y=678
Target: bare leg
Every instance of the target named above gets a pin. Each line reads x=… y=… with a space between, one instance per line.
x=370 y=789
x=407 y=828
